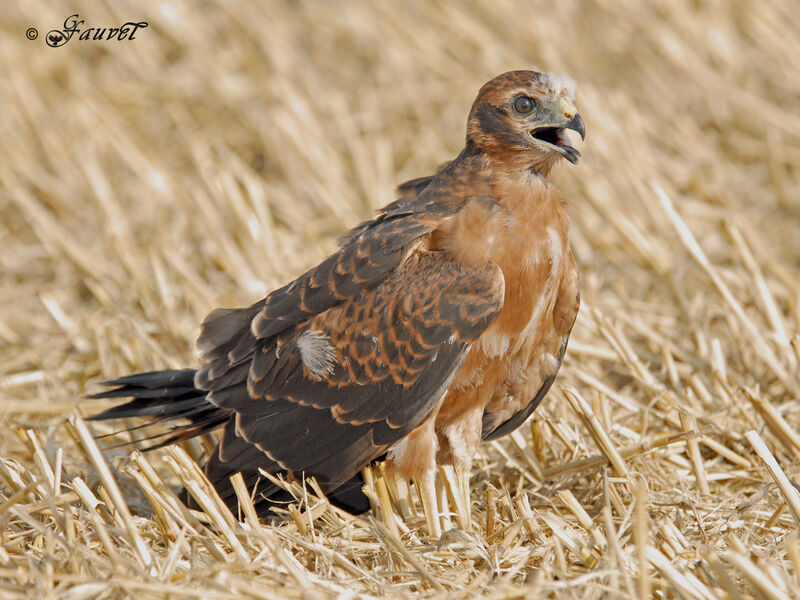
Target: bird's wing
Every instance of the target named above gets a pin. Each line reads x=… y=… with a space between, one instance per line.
x=366 y=257
x=334 y=391
x=496 y=425
x=493 y=429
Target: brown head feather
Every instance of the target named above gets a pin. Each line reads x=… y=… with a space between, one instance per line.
x=532 y=139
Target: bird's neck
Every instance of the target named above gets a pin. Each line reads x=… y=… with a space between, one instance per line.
x=513 y=163
x=501 y=215
x=475 y=173
x=522 y=168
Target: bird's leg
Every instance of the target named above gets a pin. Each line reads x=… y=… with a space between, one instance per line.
x=415 y=456
x=444 y=505
x=426 y=488
x=456 y=477
x=461 y=439
x=456 y=495
x=401 y=493
x=462 y=483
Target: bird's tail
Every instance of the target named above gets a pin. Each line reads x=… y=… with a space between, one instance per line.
x=161 y=397
x=171 y=398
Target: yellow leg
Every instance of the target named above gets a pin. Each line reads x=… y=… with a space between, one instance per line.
x=426 y=488
x=444 y=505
x=402 y=493
x=457 y=482
x=465 y=505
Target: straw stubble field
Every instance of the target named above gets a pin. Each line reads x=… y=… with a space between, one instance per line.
x=226 y=148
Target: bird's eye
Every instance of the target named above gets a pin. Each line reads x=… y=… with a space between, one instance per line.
x=523 y=105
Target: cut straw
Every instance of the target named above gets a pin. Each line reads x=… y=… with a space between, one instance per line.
x=790 y=492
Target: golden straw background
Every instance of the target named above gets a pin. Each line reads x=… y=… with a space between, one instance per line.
x=225 y=149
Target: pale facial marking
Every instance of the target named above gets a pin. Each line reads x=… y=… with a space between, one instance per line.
x=560 y=85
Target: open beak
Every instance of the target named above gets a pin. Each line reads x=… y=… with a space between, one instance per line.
x=553 y=137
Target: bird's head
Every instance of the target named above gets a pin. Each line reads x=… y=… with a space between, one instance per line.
x=520 y=117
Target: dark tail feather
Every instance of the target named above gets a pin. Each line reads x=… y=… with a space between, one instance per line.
x=349 y=496
x=162 y=396
x=150 y=383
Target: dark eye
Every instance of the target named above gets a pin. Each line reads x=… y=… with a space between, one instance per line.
x=523 y=105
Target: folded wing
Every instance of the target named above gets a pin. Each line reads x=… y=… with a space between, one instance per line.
x=334 y=391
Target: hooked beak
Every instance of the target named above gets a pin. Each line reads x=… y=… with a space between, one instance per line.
x=553 y=137
x=576 y=124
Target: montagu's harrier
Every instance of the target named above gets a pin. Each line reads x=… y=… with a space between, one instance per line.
x=438 y=324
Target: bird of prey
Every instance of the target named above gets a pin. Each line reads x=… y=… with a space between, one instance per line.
x=438 y=324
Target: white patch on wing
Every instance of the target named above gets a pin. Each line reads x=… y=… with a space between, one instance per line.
x=560 y=84
x=317 y=353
